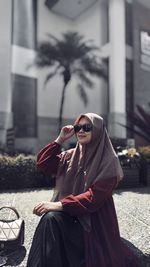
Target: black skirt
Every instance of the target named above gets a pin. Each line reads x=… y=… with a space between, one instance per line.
x=58 y=242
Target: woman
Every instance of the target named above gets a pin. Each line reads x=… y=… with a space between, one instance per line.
x=79 y=226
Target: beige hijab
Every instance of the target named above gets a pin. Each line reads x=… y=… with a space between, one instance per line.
x=79 y=169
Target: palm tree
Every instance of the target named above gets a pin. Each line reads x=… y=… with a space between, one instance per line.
x=68 y=57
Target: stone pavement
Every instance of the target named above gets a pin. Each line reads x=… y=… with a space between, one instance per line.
x=133 y=211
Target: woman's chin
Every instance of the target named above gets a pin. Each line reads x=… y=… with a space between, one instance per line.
x=83 y=141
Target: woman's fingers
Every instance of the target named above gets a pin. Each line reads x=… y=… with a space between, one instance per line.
x=46 y=206
x=68 y=131
x=41 y=208
x=40 y=212
x=37 y=207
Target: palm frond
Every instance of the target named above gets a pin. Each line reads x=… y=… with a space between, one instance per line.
x=145 y=115
x=94 y=68
x=72 y=46
x=75 y=36
x=48 y=77
x=87 y=81
x=82 y=94
x=52 y=37
x=67 y=51
x=47 y=55
x=140 y=121
x=136 y=132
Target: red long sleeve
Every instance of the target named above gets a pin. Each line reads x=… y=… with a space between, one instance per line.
x=48 y=158
x=91 y=200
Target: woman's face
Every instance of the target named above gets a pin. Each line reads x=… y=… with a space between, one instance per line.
x=83 y=136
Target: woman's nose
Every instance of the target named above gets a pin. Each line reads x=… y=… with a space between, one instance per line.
x=81 y=130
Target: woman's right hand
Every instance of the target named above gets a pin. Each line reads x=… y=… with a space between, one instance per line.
x=65 y=133
x=46 y=206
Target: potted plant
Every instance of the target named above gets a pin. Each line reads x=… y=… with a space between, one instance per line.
x=130 y=162
x=144 y=151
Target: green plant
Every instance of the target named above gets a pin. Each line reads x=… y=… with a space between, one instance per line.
x=145 y=152
x=139 y=123
x=19 y=172
x=70 y=56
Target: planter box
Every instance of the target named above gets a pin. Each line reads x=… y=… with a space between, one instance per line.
x=145 y=173
x=148 y=175
x=131 y=178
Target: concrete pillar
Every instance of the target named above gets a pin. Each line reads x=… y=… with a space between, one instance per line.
x=5 y=78
x=117 y=68
x=24 y=79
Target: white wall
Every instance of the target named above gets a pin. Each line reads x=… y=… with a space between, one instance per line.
x=5 y=66
x=5 y=55
x=49 y=99
x=117 y=56
x=117 y=68
x=90 y=25
x=93 y=24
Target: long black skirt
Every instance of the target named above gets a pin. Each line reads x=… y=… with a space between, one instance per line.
x=58 y=242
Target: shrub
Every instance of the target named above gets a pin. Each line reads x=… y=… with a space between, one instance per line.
x=20 y=172
x=145 y=152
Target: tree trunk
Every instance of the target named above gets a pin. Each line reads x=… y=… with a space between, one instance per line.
x=67 y=78
x=62 y=106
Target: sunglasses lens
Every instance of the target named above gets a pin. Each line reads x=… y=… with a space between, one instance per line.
x=85 y=127
x=77 y=128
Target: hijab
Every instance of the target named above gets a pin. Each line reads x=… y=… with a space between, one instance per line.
x=83 y=166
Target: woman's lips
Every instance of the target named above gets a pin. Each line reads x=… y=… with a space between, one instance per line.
x=81 y=135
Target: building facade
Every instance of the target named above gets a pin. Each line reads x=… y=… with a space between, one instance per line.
x=119 y=28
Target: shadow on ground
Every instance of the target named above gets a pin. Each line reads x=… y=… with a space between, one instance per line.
x=138 y=190
x=144 y=259
x=13 y=258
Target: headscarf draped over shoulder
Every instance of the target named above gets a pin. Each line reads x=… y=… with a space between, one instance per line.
x=98 y=161
x=79 y=169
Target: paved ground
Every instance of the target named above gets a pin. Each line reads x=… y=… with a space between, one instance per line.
x=133 y=211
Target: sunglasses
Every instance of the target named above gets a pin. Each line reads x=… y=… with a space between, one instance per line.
x=85 y=127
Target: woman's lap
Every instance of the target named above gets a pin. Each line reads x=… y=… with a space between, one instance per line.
x=58 y=241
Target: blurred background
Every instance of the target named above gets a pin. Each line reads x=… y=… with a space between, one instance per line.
x=60 y=58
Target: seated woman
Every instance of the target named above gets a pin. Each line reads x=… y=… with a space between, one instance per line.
x=79 y=226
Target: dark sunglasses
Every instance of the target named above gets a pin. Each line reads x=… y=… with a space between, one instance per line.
x=85 y=127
